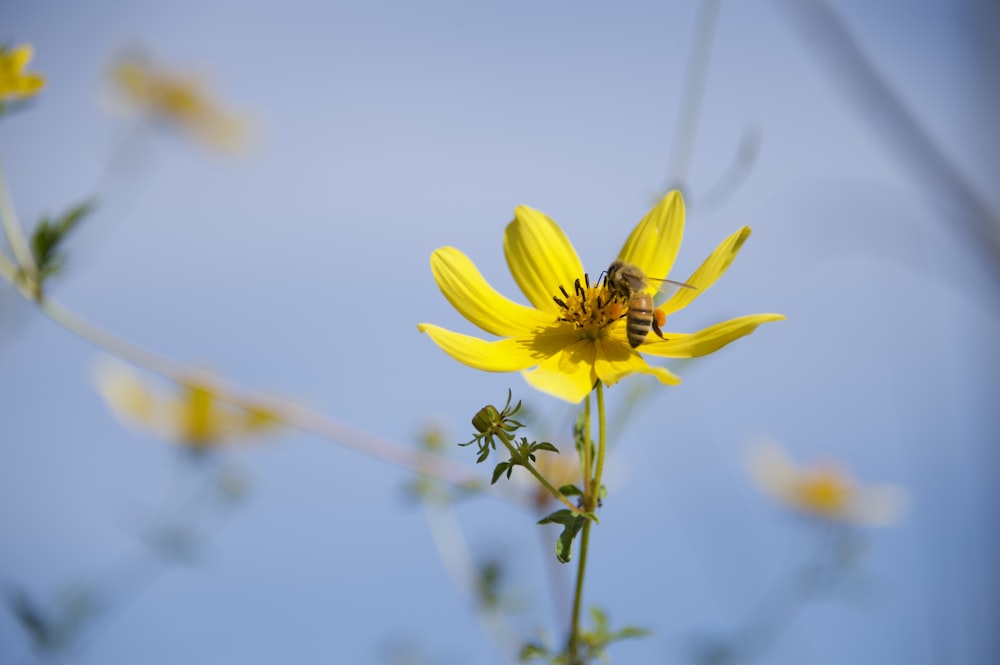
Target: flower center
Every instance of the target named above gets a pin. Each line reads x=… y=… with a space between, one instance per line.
x=824 y=491
x=590 y=307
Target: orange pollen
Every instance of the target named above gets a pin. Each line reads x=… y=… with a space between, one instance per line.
x=589 y=307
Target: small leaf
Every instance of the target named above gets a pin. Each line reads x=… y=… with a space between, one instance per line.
x=600 y=619
x=629 y=632
x=564 y=516
x=49 y=235
x=498 y=471
x=532 y=651
x=580 y=430
x=564 y=544
x=570 y=490
x=572 y=524
x=545 y=446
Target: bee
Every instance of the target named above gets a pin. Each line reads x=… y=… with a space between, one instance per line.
x=628 y=282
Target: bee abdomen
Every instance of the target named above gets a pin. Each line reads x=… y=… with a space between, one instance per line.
x=640 y=318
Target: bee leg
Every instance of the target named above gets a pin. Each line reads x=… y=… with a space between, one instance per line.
x=656 y=326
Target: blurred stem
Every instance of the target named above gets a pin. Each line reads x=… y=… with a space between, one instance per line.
x=965 y=210
x=15 y=234
x=591 y=498
x=453 y=550
x=694 y=91
x=288 y=413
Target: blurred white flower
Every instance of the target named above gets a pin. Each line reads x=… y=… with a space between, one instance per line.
x=825 y=491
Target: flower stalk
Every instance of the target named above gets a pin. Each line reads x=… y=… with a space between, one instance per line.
x=15 y=235
x=559 y=496
x=591 y=499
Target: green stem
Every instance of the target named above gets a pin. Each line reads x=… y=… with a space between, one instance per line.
x=590 y=499
x=527 y=465
x=574 y=635
x=585 y=461
x=12 y=227
x=602 y=435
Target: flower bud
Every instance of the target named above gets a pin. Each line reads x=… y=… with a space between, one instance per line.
x=486 y=419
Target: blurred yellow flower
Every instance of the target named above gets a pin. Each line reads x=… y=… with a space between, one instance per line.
x=14 y=82
x=574 y=335
x=824 y=491
x=177 y=99
x=194 y=417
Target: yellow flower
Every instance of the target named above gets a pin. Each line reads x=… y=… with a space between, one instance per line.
x=194 y=418
x=825 y=491
x=181 y=100
x=14 y=82
x=574 y=335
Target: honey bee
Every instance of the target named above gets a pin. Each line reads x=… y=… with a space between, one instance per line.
x=628 y=282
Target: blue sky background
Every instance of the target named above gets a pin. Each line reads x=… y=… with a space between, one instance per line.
x=386 y=130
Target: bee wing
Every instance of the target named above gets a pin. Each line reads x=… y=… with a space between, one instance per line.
x=664 y=284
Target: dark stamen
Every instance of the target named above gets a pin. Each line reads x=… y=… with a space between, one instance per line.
x=586 y=278
x=563 y=291
x=560 y=302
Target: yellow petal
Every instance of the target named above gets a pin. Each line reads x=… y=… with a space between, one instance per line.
x=708 y=340
x=615 y=360
x=225 y=132
x=709 y=271
x=196 y=419
x=540 y=257
x=654 y=242
x=505 y=355
x=568 y=375
x=133 y=79
x=773 y=472
x=15 y=83
x=21 y=56
x=199 y=419
x=126 y=395
x=464 y=287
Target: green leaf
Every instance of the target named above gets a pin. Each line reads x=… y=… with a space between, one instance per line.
x=49 y=234
x=564 y=544
x=570 y=490
x=580 y=437
x=564 y=516
x=600 y=620
x=572 y=524
x=498 y=471
x=630 y=632
x=545 y=446
x=533 y=651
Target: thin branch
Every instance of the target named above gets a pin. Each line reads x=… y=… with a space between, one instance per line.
x=893 y=123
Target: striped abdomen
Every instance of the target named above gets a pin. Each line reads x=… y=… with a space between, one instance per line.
x=640 y=317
